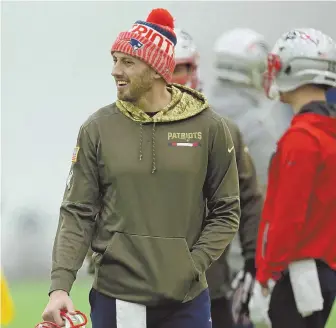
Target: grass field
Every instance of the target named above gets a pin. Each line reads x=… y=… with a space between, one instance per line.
x=30 y=299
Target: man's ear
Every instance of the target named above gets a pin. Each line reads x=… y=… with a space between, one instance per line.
x=157 y=75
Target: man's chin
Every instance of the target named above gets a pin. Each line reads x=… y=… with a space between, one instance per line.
x=124 y=97
x=121 y=95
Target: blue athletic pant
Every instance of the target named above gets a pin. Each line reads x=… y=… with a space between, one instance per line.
x=193 y=314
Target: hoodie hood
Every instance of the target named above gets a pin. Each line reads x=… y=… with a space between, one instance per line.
x=320 y=114
x=185 y=103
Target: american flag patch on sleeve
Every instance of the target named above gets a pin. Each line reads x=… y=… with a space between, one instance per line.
x=75 y=155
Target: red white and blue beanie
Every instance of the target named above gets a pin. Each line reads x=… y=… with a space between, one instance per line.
x=152 y=41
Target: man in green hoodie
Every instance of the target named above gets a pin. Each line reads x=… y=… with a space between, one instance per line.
x=143 y=170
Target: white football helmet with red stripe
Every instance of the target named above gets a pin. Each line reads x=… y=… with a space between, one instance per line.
x=300 y=57
x=78 y=320
x=186 y=54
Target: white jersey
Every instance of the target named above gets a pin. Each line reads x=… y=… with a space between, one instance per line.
x=261 y=121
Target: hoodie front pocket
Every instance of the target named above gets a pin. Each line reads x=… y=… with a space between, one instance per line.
x=153 y=268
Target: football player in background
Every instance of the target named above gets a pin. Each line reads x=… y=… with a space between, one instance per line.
x=296 y=240
x=240 y=57
x=187 y=72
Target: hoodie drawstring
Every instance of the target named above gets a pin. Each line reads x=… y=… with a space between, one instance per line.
x=153 y=149
x=140 y=139
x=153 y=146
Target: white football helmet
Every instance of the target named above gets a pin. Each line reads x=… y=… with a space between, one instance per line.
x=241 y=56
x=78 y=320
x=301 y=56
x=186 y=53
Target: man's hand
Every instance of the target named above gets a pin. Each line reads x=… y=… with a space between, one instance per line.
x=265 y=291
x=58 y=300
x=259 y=304
x=91 y=265
x=242 y=286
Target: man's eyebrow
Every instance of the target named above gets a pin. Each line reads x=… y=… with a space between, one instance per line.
x=124 y=57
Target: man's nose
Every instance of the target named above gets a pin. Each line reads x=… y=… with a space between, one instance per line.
x=116 y=71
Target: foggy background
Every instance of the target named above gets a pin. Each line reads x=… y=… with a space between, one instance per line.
x=56 y=67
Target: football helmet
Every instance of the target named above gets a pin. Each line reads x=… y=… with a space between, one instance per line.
x=78 y=320
x=186 y=53
x=301 y=56
x=241 y=56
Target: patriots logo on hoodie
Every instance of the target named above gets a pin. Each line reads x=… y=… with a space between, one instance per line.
x=136 y=44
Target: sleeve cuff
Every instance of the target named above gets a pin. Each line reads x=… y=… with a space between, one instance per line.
x=61 y=280
x=250 y=255
x=201 y=260
x=262 y=277
x=250 y=266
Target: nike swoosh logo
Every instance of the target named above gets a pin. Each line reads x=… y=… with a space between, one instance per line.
x=230 y=149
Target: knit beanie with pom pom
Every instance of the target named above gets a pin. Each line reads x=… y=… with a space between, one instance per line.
x=152 y=41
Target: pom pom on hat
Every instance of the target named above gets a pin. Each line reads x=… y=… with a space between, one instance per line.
x=161 y=17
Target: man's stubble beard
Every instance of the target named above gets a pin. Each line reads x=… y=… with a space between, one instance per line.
x=138 y=88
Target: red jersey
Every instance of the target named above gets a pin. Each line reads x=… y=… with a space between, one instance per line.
x=299 y=214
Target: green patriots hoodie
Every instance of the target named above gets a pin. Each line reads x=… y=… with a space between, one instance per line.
x=137 y=191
